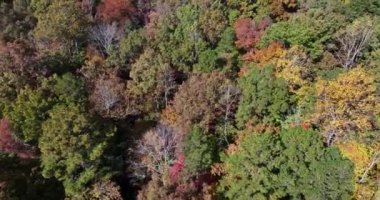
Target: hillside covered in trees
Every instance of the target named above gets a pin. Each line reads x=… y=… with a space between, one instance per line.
x=189 y=99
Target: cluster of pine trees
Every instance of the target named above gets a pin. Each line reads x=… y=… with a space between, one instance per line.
x=189 y=99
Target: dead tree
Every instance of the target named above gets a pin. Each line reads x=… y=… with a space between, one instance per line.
x=103 y=35
x=351 y=42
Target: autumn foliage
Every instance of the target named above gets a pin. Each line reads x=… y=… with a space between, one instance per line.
x=116 y=10
x=248 y=32
x=10 y=144
x=265 y=55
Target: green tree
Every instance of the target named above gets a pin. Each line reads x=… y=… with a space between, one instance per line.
x=27 y=113
x=265 y=99
x=29 y=110
x=200 y=151
x=357 y=8
x=14 y=24
x=60 y=20
x=66 y=88
x=72 y=147
x=180 y=38
x=294 y=164
x=311 y=30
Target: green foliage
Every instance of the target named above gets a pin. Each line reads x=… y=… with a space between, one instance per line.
x=357 y=8
x=310 y=30
x=10 y=85
x=265 y=99
x=27 y=113
x=132 y=43
x=200 y=151
x=66 y=88
x=72 y=145
x=29 y=109
x=61 y=20
x=292 y=165
x=208 y=61
x=182 y=41
x=13 y=24
x=249 y=8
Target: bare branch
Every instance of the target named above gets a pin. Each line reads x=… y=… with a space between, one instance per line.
x=351 y=42
x=103 y=35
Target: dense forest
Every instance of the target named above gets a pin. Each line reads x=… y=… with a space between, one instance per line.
x=189 y=99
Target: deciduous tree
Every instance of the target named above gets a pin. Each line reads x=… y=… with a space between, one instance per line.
x=352 y=41
x=346 y=104
x=201 y=100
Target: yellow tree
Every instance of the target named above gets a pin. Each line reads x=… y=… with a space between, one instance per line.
x=346 y=104
x=364 y=157
x=292 y=66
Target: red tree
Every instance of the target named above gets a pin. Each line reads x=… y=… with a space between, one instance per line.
x=9 y=144
x=248 y=32
x=116 y=10
x=177 y=167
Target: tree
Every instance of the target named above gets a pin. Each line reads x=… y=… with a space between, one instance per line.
x=310 y=30
x=353 y=40
x=14 y=23
x=60 y=21
x=11 y=145
x=66 y=88
x=281 y=9
x=248 y=32
x=356 y=8
x=116 y=10
x=293 y=164
x=152 y=80
x=72 y=146
x=179 y=37
x=200 y=152
x=265 y=99
x=154 y=152
x=131 y=45
x=109 y=97
x=364 y=159
x=21 y=58
x=294 y=66
x=102 y=190
x=346 y=104
x=104 y=35
x=212 y=19
x=266 y=55
x=200 y=100
x=28 y=112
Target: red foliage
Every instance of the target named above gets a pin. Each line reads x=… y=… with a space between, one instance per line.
x=116 y=10
x=248 y=32
x=176 y=169
x=306 y=125
x=9 y=144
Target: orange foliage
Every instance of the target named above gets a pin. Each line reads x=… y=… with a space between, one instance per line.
x=169 y=116
x=282 y=8
x=266 y=55
x=116 y=10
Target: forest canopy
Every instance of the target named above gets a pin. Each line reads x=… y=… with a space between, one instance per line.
x=189 y=99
